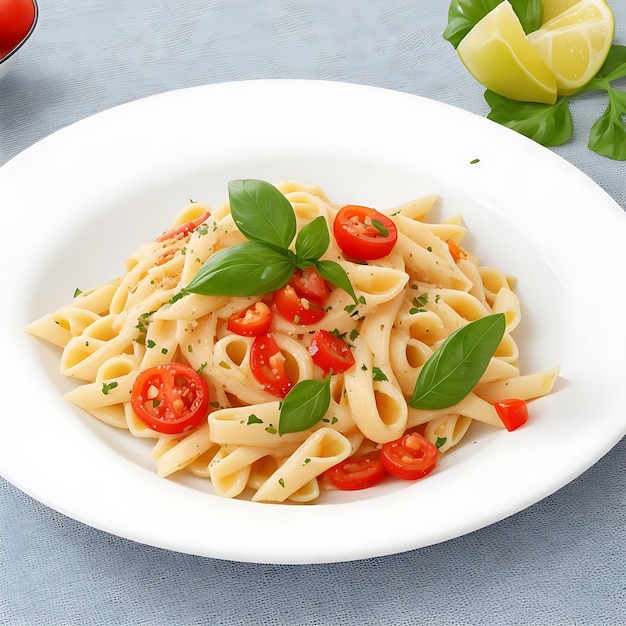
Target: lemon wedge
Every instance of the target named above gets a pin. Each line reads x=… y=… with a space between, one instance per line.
x=498 y=54
x=575 y=42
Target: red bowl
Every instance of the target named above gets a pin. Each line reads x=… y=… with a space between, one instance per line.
x=13 y=43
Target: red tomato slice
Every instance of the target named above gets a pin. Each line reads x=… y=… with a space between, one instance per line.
x=330 y=353
x=251 y=322
x=364 y=233
x=296 y=309
x=357 y=473
x=268 y=365
x=410 y=457
x=170 y=398
x=310 y=285
x=512 y=412
x=16 y=20
x=184 y=229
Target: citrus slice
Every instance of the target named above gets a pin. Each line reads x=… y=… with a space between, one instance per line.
x=575 y=43
x=498 y=54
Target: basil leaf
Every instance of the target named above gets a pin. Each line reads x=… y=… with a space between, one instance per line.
x=463 y=15
x=456 y=366
x=304 y=406
x=608 y=133
x=261 y=212
x=335 y=274
x=547 y=124
x=312 y=241
x=250 y=268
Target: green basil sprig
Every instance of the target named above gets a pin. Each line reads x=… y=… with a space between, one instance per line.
x=265 y=262
x=446 y=378
x=456 y=366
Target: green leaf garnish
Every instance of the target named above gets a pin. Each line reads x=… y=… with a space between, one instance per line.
x=335 y=274
x=261 y=212
x=304 y=406
x=312 y=241
x=250 y=268
x=265 y=262
x=608 y=133
x=547 y=124
x=456 y=366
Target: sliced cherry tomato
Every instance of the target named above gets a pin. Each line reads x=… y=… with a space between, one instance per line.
x=268 y=365
x=251 y=322
x=296 y=309
x=330 y=352
x=357 y=473
x=310 y=285
x=184 y=229
x=410 y=457
x=512 y=412
x=16 y=20
x=364 y=233
x=170 y=398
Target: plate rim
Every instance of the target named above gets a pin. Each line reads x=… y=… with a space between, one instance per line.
x=72 y=133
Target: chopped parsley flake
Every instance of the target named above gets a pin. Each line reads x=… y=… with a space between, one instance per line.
x=378 y=374
x=106 y=387
x=440 y=441
x=253 y=419
x=418 y=304
x=77 y=292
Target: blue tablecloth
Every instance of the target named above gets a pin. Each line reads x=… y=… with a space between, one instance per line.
x=561 y=561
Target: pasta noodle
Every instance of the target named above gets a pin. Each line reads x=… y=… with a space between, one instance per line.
x=407 y=304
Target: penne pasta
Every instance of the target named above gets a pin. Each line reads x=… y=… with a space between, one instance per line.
x=147 y=350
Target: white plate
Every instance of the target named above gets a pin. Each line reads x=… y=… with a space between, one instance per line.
x=75 y=204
